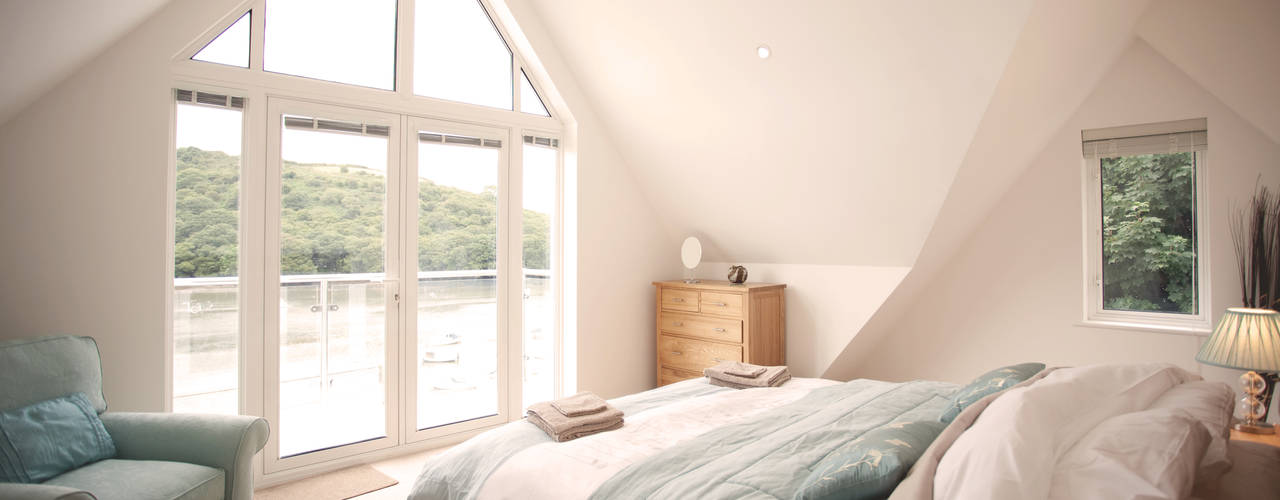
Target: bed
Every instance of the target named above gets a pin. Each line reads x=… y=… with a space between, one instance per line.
x=1088 y=432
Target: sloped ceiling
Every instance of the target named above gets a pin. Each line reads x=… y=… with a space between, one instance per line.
x=43 y=41
x=839 y=149
x=1229 y=47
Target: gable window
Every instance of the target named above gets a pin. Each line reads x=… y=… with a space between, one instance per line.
x=1145 y=217
x=319 y=146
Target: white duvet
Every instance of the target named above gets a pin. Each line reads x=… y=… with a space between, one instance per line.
x=1079 y=431
x=575 y=469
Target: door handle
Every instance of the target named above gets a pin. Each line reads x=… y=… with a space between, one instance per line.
x=315 y=308
x=333 y=307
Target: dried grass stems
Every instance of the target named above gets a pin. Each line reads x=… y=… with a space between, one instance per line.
x=1255 y=232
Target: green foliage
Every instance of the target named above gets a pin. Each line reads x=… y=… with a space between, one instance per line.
x=1148 y=232
x=332 y=221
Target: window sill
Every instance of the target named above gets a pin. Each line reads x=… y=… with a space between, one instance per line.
x=1145 y=327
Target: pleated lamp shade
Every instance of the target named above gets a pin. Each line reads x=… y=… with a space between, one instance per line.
x=1246 y=339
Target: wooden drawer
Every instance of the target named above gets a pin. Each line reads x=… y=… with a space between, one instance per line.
x=669 y=375
x=722 y=304
x=694 y=355
x=679 y=300
x=707 y=327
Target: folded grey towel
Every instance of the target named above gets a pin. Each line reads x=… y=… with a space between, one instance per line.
x=563 y=428
x=583 y=403
x=715 y=381
x=740 y=369
x=773 y=376
x=576 y=432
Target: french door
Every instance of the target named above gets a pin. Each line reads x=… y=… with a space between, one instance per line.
x=410 y=302
x=333 y=260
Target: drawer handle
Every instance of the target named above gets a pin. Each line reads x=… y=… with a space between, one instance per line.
x=676 y=353
x=677 y=299
x=718 y=360
x=718 y=329
x=718 y=304
x=677 y=323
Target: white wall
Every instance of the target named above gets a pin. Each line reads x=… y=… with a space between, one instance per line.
x=826 y=305
x=1013 y=292
x=83 y=198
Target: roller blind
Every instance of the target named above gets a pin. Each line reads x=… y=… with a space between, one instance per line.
x=432 y=137
x=542 y=141
x=305 y=123
x=1152 y=138
x=208 y=99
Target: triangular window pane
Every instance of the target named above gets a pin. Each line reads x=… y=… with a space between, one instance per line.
x=231 y=47
x=458 y=54
x=529 y=100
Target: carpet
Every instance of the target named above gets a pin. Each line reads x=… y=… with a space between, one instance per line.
x=337 y=485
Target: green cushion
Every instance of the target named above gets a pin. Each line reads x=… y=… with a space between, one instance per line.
x=45 y=439
x=145 y=479
x=988 y=383
x=871 y=465
x=45 y=368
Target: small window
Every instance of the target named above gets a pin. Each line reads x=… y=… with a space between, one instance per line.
x=231 y=47
x=530 y=102
x=1145 y=220
x=342 y=41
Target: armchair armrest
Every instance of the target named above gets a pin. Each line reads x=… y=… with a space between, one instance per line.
x=227 y=442
x=20 y=491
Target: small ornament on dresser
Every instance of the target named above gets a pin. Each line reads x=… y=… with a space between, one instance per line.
x=737 y=274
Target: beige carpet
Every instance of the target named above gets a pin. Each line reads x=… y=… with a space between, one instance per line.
x=337 y=485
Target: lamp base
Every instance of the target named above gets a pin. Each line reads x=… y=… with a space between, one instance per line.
x=1255 y=428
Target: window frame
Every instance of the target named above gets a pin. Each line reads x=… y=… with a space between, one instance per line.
x=1094 y=313
x=258 y=87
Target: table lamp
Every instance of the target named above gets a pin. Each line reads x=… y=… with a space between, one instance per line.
x=1248 y=339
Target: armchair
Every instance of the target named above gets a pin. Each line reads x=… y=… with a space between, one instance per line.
x=158 y=455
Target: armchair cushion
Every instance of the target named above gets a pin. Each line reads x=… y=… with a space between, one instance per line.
x=19 y=491
x=49 y=367
x=226 y=442
x=45 y=439
x=137 y=479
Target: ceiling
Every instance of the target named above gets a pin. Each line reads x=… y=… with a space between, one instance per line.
x=43 y=41
x=838 y=149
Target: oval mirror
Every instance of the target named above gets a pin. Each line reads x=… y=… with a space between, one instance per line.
x=691 y=252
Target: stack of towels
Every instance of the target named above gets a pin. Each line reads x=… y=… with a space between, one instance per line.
x=740 y=375
x=573 y=417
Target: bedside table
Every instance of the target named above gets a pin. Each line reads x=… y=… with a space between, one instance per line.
x=1267 y=439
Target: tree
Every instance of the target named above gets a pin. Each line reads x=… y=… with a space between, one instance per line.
x=332 y=221
x=1148 y=232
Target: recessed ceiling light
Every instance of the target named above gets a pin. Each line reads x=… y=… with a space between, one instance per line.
x=763 y=51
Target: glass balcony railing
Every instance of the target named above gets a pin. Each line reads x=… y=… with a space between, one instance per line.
x=340 y=356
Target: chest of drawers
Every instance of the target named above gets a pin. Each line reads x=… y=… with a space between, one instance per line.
x=702 y=324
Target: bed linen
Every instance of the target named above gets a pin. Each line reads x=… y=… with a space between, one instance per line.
x=1017 y=446
x=757 y=443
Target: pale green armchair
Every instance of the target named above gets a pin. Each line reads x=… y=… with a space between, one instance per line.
x=158 y=455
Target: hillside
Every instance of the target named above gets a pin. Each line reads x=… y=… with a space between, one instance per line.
x=331 y=221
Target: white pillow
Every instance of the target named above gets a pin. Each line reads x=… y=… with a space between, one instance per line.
x=1213 y=404
x=1142 y=455
x=1010 y=451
